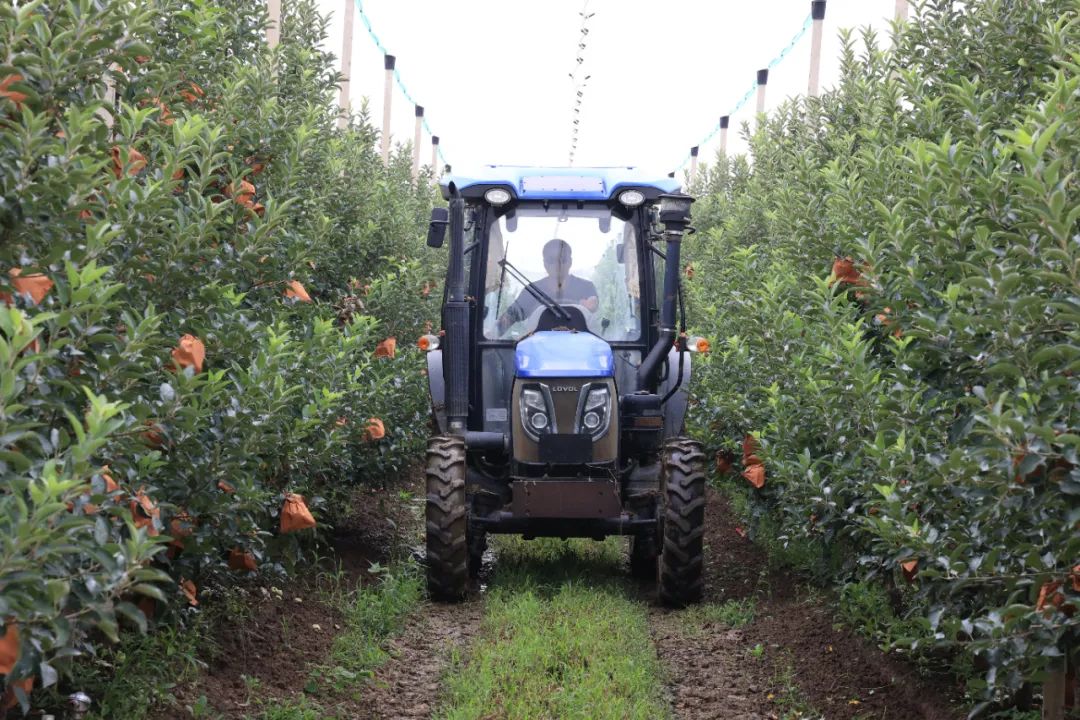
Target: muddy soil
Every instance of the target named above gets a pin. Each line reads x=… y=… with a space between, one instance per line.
x=408 y=685
x=715 y=672
x=289 y=628
x=712 y=670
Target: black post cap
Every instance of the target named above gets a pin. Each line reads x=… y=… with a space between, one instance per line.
x=763 y=76
x=419 y=111
x=694 y=151
x=817 y=9
x=388 y=61
x=724 y=121
x=434 y=139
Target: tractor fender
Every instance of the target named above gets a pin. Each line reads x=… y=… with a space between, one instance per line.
x=675 y=407
x=437 y=389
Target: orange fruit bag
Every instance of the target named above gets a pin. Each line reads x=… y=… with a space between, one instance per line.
x=387 y=348
x=190 y=353
x=9 y=648
x=190 y=591
x=295 y=514
x=297 y=291
x=13 y=95
x=910 y=568
x=36 y=285
x=749 y=447
x=244 y=195
x=242 y=561
x=755 y=475
x=845 y=272
x=1049 y=594
x=152 y=436
x=144 y=512
x=375 y=430
x=181 y=527
x=10 y=699
x=136 y=161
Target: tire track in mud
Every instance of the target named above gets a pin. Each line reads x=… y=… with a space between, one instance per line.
x=408 y=685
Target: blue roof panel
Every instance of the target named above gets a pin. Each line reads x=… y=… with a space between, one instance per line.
x=559 y=183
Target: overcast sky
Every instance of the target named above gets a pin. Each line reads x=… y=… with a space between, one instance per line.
x=494 y=75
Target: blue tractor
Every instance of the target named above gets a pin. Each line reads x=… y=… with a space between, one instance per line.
x=559 y=382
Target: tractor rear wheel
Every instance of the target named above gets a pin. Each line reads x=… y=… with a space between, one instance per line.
x=446 y=518
x=681 y=556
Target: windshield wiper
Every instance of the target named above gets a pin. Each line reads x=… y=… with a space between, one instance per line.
x=535 y=291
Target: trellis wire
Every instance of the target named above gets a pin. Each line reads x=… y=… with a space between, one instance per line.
x=753 y=88
x=397 y=73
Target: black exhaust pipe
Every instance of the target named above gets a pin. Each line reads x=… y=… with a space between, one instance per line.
x=675 y=214
x=456 y=322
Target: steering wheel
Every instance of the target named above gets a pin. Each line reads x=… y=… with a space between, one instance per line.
x=592 y=322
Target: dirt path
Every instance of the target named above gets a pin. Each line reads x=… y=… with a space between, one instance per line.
x=789 y=661
x=781 y=657
x=274 y=645
x=408 y=685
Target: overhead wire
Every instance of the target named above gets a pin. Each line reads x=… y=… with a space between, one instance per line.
x=578 y=82
x=397 y=73
x=753 y=88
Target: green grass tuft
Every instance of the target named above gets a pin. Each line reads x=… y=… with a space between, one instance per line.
x=372 y=615
x=733 y=613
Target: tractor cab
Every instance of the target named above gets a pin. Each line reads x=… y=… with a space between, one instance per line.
x=558 y=385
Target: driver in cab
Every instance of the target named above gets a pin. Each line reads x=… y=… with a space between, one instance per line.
x=559 y=285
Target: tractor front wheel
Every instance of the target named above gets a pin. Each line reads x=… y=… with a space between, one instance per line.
x=446 y=519
x=681 y=555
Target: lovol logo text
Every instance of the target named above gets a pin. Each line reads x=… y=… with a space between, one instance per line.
x=564 y=388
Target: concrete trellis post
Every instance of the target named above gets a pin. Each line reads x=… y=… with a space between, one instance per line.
x=346 y=63
x=724 y=122
x=435 y=157
x=1054 y=690
x=416 y=142
x=388 y=96
x=108 y=112
x=817 y=13
x=273 y=30
x=693 y=163
x=762 y=82
x=902 y=10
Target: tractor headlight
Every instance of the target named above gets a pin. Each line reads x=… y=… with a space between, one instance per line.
x=594 y=411
x=536 y=415
x=497 y=196
x=631 y=198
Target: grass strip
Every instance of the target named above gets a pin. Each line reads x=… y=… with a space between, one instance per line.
x=562 y=638
x=372 y=615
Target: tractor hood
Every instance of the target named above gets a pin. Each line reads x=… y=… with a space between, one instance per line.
x=563 y=353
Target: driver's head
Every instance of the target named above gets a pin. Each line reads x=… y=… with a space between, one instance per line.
x=557 y=259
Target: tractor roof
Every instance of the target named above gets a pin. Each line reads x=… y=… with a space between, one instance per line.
x=557 y=183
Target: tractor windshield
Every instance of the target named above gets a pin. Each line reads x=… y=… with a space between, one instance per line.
x=585 y=258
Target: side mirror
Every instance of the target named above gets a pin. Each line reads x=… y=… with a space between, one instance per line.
x=436 y=234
